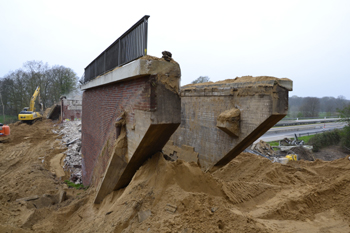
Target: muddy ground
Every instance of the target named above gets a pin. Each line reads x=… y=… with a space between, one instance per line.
x=250 y=194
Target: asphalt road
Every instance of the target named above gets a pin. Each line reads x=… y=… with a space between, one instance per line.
x=278 y=133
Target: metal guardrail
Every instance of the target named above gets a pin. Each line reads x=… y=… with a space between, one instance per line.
x=312 y=133
x=306 y=118
x=130 y=46
x=306 y=122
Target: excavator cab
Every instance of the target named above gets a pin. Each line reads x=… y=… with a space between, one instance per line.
x=28 y=116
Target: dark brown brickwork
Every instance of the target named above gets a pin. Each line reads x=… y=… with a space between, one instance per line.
x=101 y=106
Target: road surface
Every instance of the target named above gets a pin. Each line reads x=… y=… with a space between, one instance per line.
x=278 y=133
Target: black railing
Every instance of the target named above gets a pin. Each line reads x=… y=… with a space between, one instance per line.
x=130 y=46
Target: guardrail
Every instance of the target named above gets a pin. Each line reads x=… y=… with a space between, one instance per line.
x=309 y=121
x=128 y=47
x=312 y=133
x=307 y=118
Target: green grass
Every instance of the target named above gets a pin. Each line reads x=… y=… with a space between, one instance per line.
x=8 y=119
x=306 y=138
x=76 y=186
x=274 y=143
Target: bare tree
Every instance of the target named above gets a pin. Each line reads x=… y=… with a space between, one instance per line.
x=18 y=86
x=3 y=108
x=310 y=107
x=201 y=79
x=341 y=102
x=328 y=105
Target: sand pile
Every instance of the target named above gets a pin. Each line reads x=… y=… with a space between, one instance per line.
x=250 y=194
x=249 y=79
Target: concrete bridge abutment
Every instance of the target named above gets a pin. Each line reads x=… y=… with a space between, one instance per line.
x=131 y=112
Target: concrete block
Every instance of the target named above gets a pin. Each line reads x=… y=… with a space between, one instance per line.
x=219 y=120
x=54 y=112
x=228 y=121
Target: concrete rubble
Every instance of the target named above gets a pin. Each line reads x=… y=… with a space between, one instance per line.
x=263 y=148
x=71 y=138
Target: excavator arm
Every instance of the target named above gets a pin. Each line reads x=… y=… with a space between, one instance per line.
x=32 y=101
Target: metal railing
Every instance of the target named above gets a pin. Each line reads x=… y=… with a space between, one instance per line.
x=306 y=118
x=130 y=46
x=317 y=132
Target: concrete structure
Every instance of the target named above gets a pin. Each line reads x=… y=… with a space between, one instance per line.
x=131 y=112
x=54 y=112
x=220 y=120
x=71 y=108
x=129 y=115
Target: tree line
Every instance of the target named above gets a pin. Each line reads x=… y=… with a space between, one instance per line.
x=17 y=87
x=316 y=107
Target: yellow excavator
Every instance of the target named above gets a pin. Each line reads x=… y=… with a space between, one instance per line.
x=28 y=114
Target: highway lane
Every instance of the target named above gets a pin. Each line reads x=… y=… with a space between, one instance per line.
x=278 y=133
x=305 y=127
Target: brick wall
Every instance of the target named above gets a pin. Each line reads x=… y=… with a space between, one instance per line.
x=101 y=106
x=71 y=109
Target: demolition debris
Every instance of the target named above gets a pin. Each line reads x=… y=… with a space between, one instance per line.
x=71 y=131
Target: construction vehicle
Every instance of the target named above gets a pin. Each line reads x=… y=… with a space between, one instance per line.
x=4 y=132
x=28 y=114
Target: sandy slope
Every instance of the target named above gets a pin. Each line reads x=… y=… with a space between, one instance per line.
x=250 y=194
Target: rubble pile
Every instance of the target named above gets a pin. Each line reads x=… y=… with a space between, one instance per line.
x=71 y=131
x=263 y=148
x=289 y=142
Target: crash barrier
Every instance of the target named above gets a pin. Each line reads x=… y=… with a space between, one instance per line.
x=312 y=133
x=304 y=122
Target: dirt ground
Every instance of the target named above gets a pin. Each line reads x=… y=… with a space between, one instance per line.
x=331 y=153
x=250 y=194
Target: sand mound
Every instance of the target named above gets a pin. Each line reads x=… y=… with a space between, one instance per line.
x=249 y=79
x=250 y=194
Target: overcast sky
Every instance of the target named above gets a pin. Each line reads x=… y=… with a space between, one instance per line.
x=307 y=41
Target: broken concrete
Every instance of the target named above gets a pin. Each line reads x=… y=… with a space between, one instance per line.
x=263 y=148
x=145 y=94
x=144 y=66
x=228 y=121
x=71 y=139
x=219 y=120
